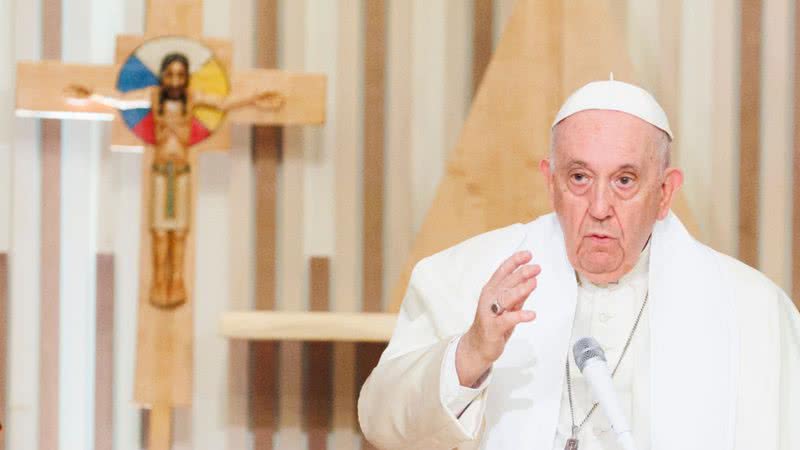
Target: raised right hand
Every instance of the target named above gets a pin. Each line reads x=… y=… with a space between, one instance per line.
x=486 y=338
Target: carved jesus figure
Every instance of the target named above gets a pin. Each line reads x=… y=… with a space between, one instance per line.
x=172 y=103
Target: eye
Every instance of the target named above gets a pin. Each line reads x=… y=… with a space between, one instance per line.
x=625 y=181
x=579 y=178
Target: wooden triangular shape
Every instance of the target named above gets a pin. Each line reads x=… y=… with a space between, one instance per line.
x=548 y=49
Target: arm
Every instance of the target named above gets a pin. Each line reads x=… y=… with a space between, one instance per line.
x=80 y=95
x=268 y=100
x=429 y=390
x=400 y=406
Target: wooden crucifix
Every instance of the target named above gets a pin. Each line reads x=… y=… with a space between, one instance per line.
x=169 y=93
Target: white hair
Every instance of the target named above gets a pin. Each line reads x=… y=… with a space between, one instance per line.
x=662 y=143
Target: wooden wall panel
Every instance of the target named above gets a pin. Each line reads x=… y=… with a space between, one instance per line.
x=242 y=225
x=49 y=276
x=774 y=200
x=725 y=126
x=670 y=15
x=694 y=127
x=796 y=167
x=50 y=246
x=318 y=373
x=346 y=262
x=482 y=42
x=104 y=353
x=398 y=229
x=292 y=266
x=373 y=178
x=4 y=337
x=749 y=135
x=373 y=172
x=266 y=156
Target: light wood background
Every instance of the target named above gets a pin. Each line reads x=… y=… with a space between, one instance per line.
x=726 y=80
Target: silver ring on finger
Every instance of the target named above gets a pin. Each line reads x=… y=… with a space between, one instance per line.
x=497 y=308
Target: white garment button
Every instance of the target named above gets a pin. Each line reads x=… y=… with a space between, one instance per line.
x=605 y=317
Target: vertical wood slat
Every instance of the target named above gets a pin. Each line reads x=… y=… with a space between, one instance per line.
x=749 y=116
x=266 y=147
x=668 y=92
x=373 y=174
x=482 y=39
x=373 y=179
x=50 y=300
x=346 y=268
x=318 y=378
x=104 y=345
x=795 y=242
x=291 y=238
x=398 y=213
x=50 y=246
x=4 y=337
x=264 y=355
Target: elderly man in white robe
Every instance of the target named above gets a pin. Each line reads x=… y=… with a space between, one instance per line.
x=705 y=350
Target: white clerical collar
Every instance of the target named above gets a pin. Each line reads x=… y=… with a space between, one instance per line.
x=638 y=270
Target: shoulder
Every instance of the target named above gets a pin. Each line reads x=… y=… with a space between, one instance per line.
x=486 y=247
x=758 y=298
x=746 y=278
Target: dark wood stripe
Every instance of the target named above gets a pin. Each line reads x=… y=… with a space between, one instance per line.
x=266 y=150
x=373 y=176
x=318 y=379
x=795 y=242
x=104 y=351
x=3 y=343
x=749 y=116
x=373 y=181
x=482 y=28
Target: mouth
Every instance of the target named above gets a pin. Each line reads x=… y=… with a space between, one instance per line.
x=599 y=238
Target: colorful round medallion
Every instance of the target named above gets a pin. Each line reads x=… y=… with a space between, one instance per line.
x=154 y=64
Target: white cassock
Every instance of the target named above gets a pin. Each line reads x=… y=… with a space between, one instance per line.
x=715 y=363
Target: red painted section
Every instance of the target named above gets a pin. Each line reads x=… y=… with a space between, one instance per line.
x=198 y=132
x=146 y=129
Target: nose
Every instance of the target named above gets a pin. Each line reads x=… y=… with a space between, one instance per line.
x=602 y=202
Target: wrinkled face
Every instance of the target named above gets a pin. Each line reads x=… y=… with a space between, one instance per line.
x=174 y=80
x=608 y=187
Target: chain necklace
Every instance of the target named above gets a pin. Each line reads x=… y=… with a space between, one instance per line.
x=572 y=442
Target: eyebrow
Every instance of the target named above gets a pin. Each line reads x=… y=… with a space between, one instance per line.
x=580 y=163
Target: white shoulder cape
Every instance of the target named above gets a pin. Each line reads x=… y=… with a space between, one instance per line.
x=725 y=350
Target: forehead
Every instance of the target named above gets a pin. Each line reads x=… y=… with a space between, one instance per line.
x=603 y=138
x=176 y=65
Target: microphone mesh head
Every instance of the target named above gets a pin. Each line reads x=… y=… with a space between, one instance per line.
x=586 y=349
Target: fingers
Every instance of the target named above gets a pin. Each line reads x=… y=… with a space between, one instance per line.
x=511 y=319
x=508 y=266
x=521 y=274
x=513 y=298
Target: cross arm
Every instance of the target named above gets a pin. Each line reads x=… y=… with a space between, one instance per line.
x=302 y=98
x=41 y=88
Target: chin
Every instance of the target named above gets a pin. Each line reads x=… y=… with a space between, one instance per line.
x=600 y=264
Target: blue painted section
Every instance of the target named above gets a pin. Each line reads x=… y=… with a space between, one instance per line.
x=135 y=75
x=134 y=116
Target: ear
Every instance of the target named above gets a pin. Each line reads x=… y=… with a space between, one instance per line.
x=544 y=168
x=673 y=180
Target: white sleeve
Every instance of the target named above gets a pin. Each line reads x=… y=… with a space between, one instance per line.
x=456 y=397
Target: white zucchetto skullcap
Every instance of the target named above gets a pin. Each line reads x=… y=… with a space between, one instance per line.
x=616 y=96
